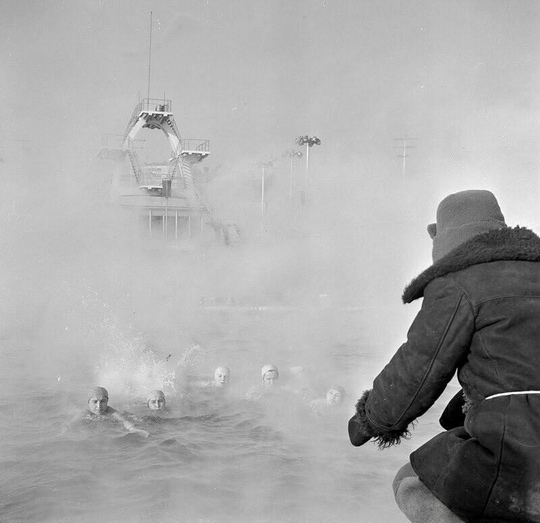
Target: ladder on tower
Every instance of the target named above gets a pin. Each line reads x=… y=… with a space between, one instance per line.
x=218 y=224
x=135 y=165
x=187 y=176
x=157 y=114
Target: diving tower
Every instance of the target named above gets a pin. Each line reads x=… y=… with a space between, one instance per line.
x=169 y=201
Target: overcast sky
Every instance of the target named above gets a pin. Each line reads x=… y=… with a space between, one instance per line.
x=460 y=77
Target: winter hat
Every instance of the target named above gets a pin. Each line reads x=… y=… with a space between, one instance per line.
x=268 y=368
x=461 y=216
x=98 y=392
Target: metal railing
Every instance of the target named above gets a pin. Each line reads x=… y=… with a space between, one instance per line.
x=148 y=104
x=155 y=104
x=194 y=144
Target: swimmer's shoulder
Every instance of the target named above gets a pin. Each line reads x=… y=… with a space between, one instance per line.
x=83 y=414
x=115 y=414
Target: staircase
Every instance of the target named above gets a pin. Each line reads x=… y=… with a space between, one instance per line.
x=157 y=114
x=135 y=165
x=186 y=175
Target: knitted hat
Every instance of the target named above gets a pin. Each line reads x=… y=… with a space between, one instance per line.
x=268 y=368
x=461 y=216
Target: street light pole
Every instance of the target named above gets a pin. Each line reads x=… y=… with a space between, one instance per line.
x=292 y=154
x=307 y=165
x=262 y=193
x=263 y=166
x=308 y=141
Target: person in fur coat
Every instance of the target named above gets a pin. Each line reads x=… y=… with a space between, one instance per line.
x=480 y=317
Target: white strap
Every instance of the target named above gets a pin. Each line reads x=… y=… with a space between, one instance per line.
x=512 y=393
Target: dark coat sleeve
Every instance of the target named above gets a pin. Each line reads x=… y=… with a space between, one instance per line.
x=437 y=343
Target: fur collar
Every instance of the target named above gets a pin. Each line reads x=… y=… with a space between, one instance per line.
x=516 y=243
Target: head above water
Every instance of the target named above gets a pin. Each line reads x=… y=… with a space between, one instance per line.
x=461 y=216
x=155 y=400
x=98 y=400
x=270 y=375
x=335 y=395
x=222 y=376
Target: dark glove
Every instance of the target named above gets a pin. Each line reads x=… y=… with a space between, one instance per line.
x=356 y=434
x=453 y=415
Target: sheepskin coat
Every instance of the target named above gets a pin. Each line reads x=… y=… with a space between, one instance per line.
x=480 y=316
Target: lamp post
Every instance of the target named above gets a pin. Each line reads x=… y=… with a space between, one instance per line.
x=292 y=154
x=263 y=165
x=308 y=141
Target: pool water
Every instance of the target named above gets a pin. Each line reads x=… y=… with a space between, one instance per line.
x=81 y=306
x=206 y=462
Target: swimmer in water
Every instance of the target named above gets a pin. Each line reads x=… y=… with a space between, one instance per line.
x=270 y=376
x=221 y=379
x=324 y=406
x=222 y=375
x=98 y=409
x=156 y=400
x=269 y=384
x=205 y=391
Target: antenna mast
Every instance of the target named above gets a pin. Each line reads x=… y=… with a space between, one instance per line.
x=149 y=55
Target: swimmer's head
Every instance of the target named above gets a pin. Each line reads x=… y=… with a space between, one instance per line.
x=335 y=395
x=98 y=400
x=222 y=376
x=155 y=400
x=270 y=375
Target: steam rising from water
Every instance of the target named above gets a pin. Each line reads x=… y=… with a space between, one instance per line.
x=86 y=301
x=75 y=270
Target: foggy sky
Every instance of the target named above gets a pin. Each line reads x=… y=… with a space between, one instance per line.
x=251 y=75
x=460 y=78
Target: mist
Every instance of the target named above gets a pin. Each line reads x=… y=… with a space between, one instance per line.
x=452 y=87
x=411 y=101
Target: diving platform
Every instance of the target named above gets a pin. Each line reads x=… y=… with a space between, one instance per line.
x=165 y=195
x=194 y=150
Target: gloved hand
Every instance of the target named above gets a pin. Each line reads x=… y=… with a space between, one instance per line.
x=356 y=434
x=453 y=415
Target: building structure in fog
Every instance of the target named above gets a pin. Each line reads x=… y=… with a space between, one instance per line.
x=164 y=197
